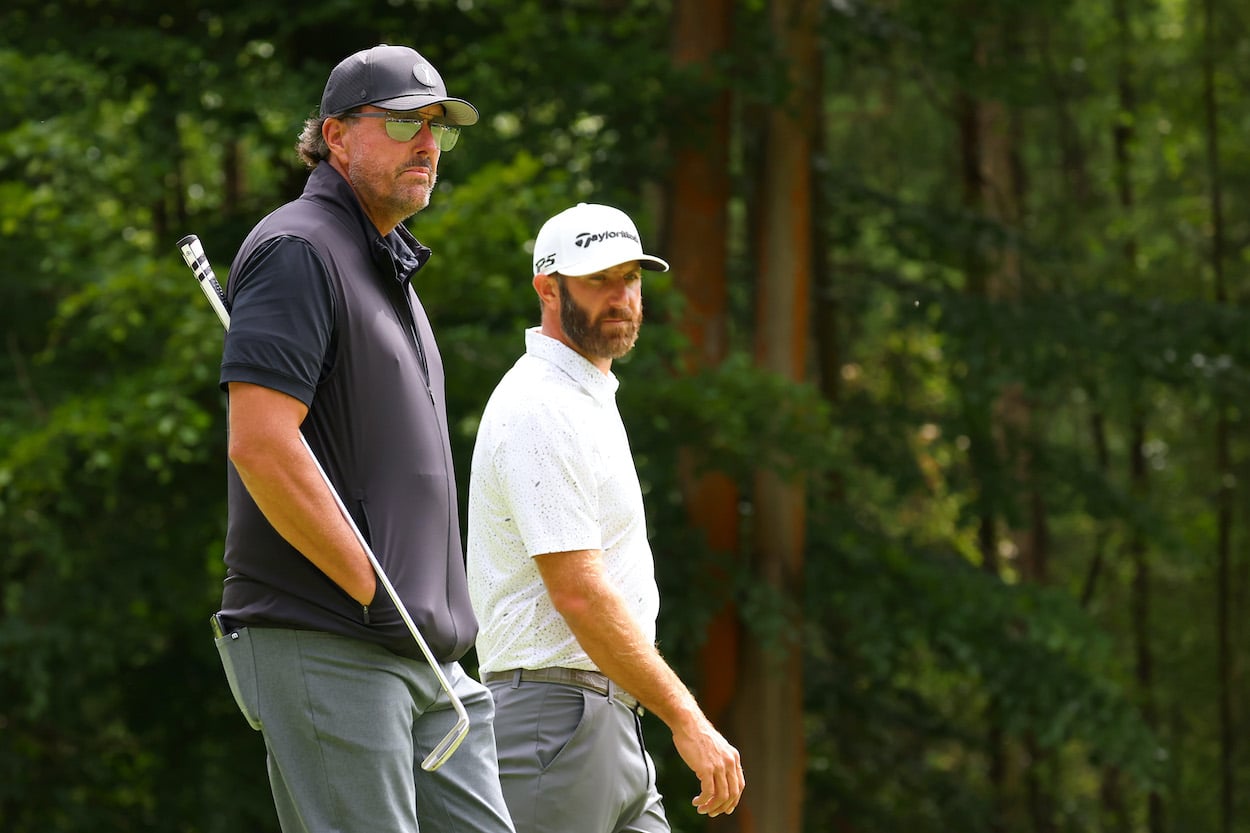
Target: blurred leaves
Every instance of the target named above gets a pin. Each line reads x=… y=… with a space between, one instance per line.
x=128 y=124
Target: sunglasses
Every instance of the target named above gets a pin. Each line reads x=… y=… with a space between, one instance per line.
x=402 y=130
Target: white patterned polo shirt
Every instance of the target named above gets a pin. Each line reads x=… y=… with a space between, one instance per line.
x=552 y=472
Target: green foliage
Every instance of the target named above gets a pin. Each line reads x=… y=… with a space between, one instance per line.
x=909 y=643
x=127 y=125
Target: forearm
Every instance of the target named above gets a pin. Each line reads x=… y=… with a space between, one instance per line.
x=288 y=489
x=614 y=641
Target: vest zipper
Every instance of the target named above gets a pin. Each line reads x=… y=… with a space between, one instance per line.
x=416 y=339
x=429 y=389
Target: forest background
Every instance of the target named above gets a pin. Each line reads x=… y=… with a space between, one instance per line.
x=940 y=414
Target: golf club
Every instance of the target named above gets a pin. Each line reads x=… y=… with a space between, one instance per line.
x=193 y=254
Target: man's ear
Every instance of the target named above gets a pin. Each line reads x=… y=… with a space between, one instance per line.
x=547 y=288
x=334 y=131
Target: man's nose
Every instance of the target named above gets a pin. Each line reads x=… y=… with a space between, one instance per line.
x=425 y=139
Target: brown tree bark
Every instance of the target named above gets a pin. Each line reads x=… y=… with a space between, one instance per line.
x=1004 y=433
x=768 y=714
x=983 y=459
x=696 y=235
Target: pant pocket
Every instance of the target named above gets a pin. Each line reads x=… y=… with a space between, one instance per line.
x=561 y=720
x=239 y=662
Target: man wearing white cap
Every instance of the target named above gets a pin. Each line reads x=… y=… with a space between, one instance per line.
x=560 y=573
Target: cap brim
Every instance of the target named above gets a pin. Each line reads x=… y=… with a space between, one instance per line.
x=459 y=111
x=591 y=267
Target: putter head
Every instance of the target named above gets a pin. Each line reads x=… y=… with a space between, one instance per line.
x=439 y=755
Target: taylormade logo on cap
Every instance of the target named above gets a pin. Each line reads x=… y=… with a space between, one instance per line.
x=586 y=238
x=590 y=238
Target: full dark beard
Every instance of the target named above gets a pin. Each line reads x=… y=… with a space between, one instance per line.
x=591 y=338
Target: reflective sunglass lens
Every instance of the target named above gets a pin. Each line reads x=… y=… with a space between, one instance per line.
x=445 y=135
x=402 y=131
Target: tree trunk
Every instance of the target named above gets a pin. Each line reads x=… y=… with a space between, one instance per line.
x=768 y=714
x=1002 y=434
x=1140 y=605
x=1223 y=451
x=696 y=238
x=1123 y=138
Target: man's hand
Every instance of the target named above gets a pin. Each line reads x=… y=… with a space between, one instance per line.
x=717 y=764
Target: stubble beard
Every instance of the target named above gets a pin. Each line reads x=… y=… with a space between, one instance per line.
x=591 y=337
x=397 y=202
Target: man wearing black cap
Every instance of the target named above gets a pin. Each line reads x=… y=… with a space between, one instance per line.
x=329 y=338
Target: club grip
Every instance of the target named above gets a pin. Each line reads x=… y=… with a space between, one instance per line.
x=193 y=253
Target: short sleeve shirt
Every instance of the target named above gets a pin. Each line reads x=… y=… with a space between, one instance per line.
x=552 y=472
x=282 y=324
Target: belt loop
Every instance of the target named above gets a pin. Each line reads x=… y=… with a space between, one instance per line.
x=516 y=678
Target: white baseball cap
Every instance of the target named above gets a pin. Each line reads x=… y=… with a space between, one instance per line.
x=589 y=238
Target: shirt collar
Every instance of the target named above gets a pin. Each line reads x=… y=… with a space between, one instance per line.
x=401 y=249
x=602 y=386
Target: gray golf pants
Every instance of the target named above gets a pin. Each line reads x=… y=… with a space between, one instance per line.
x=572 y=761
x=346 y=726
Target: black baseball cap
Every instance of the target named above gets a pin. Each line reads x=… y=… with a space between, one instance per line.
x=392 y=78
